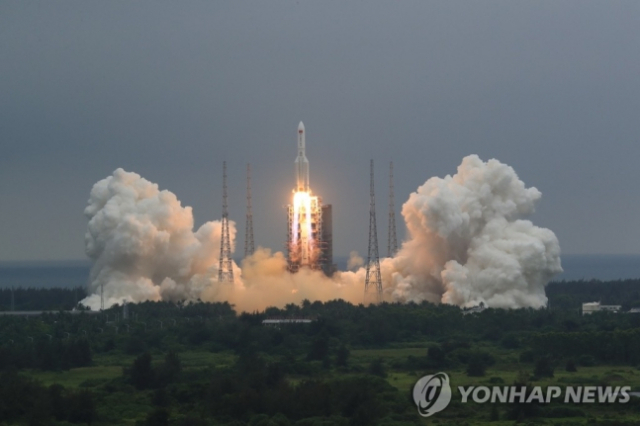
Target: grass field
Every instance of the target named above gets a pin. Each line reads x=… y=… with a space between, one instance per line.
x=504 y=373
x=78 y=377
x=108 y=367
x=126 y=407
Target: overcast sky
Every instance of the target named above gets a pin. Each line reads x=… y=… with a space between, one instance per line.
x=171 y=89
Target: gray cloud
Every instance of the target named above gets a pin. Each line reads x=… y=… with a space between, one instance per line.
x=169 y=90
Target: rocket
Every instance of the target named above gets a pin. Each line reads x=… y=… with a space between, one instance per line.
x=301 y=163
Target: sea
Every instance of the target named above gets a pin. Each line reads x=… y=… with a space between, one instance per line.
x=76 y=273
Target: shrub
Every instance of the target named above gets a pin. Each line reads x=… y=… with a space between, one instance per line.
x=587 y=361
x=544 y=368
x=377 y=368
x=527 y=356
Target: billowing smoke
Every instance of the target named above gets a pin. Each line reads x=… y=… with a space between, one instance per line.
x=143 y=245
x=468 y=243
x=355 y=261
x=266 y=282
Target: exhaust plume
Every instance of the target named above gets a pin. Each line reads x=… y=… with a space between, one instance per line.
x=142 y=243
x=355 y=261
x=468 y=242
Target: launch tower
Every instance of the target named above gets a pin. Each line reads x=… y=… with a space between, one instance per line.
x=373 y=279
x=225 y=267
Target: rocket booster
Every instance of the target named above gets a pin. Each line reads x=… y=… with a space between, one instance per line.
x=301 y=163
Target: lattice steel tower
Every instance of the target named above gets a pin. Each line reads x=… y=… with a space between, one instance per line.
x=248 y=229
x=225 y=268
x=373 y=278
x=392 y=241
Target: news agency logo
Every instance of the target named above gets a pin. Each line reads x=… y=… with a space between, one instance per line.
x=432 y=394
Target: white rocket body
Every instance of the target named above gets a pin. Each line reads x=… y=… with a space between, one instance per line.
x=301 y=163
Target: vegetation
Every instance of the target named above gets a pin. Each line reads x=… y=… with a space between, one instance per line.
x=39 y=299
x=204 y=364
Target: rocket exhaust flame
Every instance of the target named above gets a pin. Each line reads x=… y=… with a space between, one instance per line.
x=305 y=222
x=302 y=229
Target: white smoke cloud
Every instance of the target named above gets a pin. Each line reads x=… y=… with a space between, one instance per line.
x=355 y=261
x=142 y=243
x=468 y=243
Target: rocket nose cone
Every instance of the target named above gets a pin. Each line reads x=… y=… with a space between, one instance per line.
x=301 y=126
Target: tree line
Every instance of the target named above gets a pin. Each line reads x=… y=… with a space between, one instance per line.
x=41 y=299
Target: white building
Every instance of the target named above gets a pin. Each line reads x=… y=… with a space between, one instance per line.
x=475 y=309
x=278 y=321
x=591 y=307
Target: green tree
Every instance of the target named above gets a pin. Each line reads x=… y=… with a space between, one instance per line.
x=82 y=408
x=510 y=341
x=142 y=374
x=377 y=368
x=478 y=362
x=543 y=368
x=58 y=403
x=170 y=368
x=160 y=398
x=158 y=417
x=436 y=357
x=342 y=356
x=495 y=414
x=319 y=348
x=476 y=368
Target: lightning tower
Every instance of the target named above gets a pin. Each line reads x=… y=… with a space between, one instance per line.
x=225 y=268
x=248 y=230
x=392 y=241
x=373 y=278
